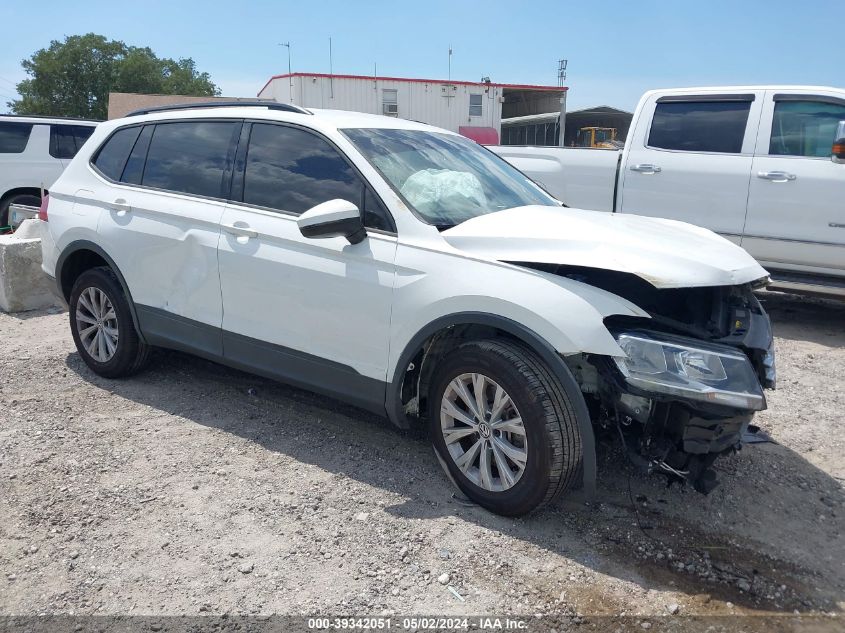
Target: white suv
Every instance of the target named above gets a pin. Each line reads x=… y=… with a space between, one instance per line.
x=409 y=271
x=33 y=152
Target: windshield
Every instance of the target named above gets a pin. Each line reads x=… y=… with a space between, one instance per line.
x=447 y=179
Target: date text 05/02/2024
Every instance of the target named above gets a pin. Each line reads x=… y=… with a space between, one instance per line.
x=483 y=623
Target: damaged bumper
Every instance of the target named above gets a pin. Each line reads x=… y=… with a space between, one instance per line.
x=680 y=402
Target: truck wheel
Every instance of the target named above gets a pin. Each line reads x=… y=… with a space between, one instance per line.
x=503 y=426
x=102 y=326
x=21 y=198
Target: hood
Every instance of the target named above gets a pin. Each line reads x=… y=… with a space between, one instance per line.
x=665 y=253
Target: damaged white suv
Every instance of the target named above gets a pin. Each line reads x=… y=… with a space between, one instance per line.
x=411 y=272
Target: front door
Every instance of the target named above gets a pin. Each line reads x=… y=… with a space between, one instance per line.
x=312 y=312
x=796 y=201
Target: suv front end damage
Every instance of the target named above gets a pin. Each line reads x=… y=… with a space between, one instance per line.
x=691 y=379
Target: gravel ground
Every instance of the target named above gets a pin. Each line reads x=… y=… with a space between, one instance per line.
x=196 y=489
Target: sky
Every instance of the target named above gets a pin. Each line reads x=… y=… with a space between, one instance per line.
x=616 y=50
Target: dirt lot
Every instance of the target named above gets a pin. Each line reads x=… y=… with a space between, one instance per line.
x=195 y=489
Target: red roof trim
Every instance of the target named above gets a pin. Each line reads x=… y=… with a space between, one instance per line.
x=419 y=81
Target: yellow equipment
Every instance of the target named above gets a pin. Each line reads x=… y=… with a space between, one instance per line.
x=597 y=137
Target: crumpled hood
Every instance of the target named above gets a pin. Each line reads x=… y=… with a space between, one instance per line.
x=666 y=253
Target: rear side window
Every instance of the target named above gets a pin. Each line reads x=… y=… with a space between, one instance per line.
x=191 y=157
x=66 y=140
x=14 y=136
x=112 y=156
x=700 y=126
x=292 y=170
x=805 y=128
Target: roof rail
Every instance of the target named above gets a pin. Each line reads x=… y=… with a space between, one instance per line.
x=48 y=116
x=270 y=105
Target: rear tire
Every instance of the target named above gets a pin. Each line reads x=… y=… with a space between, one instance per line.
x=539 y=428
x=21 y=198
x=102 y=326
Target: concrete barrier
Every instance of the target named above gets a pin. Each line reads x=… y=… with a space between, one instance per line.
x=23 y=285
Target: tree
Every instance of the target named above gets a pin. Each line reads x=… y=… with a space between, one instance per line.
x=74 y=77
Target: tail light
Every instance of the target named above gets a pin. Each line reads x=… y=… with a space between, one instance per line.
x=42 y=210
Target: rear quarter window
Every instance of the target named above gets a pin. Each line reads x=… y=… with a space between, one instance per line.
x=14 y=136
x=112 y=156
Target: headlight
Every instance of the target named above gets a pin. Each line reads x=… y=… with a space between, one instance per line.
x=680 y=367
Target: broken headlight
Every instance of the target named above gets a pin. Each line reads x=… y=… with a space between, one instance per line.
x=689 y=369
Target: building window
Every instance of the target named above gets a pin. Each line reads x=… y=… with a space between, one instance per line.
x=390 y=102
x=475 y=102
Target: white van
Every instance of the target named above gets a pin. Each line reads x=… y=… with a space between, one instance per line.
x=33 y=152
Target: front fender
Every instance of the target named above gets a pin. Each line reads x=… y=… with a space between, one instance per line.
x=554 y=316
x=567 y=314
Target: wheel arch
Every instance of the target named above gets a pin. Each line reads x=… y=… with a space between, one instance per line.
x=473 y=326
x=21 y=191
x=82 y=255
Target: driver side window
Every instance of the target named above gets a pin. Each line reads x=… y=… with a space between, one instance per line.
x=291 y=170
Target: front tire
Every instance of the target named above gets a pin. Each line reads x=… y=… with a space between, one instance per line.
x=503 y=426
x=102 y=326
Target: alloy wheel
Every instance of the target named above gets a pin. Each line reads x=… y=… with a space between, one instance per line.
x=96 y=322
x=484 y=432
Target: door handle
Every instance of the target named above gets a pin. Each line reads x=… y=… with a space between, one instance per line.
x=776 y=176
x=120 y=206
x=646 y=169
x=240 y=231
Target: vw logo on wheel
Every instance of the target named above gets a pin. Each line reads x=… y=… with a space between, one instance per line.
x=484 y=430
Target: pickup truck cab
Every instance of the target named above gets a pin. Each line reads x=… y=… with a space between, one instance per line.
x=761 y=166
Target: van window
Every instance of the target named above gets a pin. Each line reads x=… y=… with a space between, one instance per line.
x=191 y=157
x=112 y=156
x=14 y=136
x=699 y=126
x=804 y=128
x=66 y=140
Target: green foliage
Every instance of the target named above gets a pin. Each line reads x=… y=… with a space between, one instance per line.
x=74 y=77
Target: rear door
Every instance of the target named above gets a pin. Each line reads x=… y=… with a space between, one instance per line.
x=796 y=201
x=689 y=159
x=161 y=224
x=313 y=312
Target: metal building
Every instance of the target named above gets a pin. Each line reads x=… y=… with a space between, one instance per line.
x=473 y=109
x=544 y=129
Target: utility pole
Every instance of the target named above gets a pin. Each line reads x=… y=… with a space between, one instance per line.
x=561 y=79
x=290 y=74
x=331 y=72
x=449 y=86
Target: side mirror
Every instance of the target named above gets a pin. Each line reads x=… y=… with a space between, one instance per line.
x=838 y=153
x=335 y=218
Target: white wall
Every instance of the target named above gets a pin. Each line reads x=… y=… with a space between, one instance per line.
x=419 y=101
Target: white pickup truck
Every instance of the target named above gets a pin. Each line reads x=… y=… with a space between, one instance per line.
x=763 y=166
